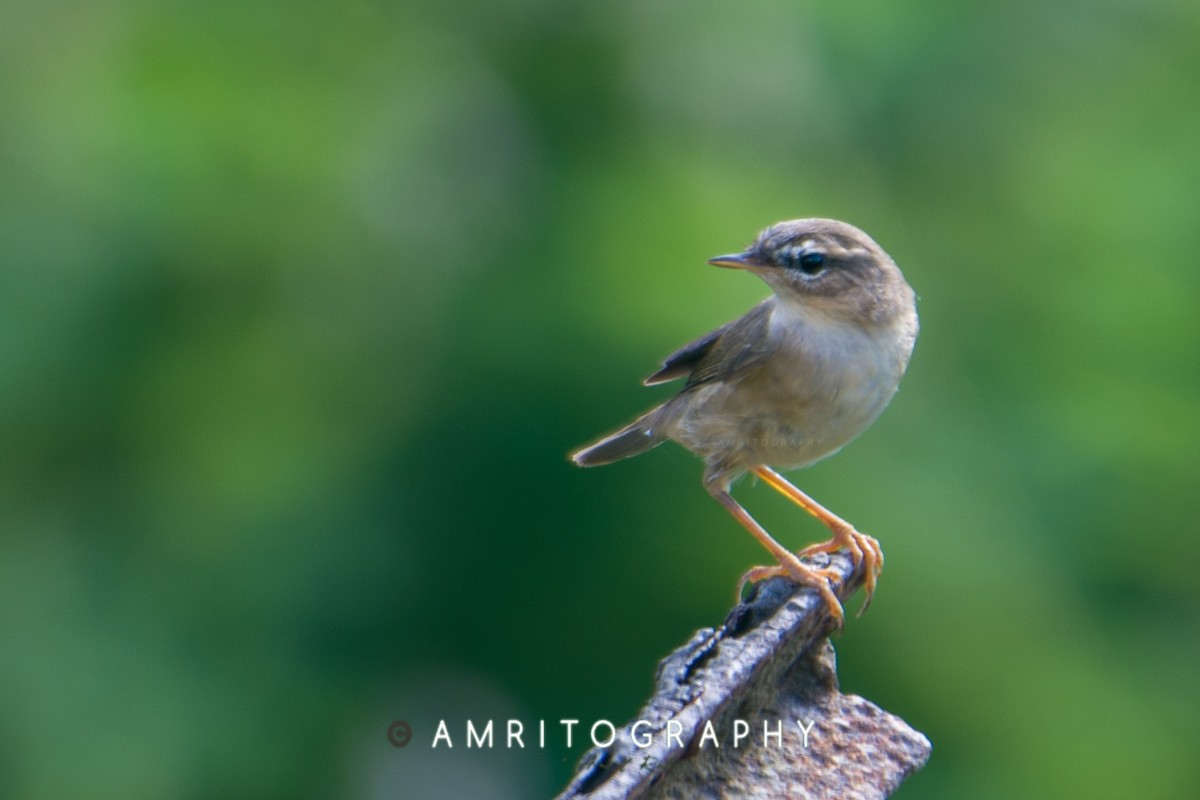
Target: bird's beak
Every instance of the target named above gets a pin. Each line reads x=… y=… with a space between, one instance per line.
x=734 y=261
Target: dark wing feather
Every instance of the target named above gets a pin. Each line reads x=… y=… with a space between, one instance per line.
x=681 y=363
x=716 y=353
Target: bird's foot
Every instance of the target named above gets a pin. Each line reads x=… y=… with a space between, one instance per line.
x=865 y=552
x=820 y=579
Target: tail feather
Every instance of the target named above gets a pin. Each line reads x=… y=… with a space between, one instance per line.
x=636 y=437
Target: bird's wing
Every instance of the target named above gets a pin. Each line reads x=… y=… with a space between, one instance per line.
x=717 y=353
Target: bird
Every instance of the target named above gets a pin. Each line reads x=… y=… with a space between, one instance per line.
x=787 y=384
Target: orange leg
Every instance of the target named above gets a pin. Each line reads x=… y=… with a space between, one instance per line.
x=864 y=550
x=789 y=564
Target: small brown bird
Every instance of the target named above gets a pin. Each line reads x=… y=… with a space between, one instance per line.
x=789 y=383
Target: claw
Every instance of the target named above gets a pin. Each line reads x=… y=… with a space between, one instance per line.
x=758 y=574
x=864 y=550
x=820 y=579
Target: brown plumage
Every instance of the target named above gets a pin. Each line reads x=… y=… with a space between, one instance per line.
x=790 y=382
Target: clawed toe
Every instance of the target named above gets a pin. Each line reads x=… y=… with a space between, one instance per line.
x=865 y=553
x=822 y=580
x=757 y=574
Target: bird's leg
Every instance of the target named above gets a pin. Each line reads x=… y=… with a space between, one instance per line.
x=864 y=550
x=789 y=564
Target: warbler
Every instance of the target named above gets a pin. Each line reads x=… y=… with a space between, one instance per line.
x=788 y=384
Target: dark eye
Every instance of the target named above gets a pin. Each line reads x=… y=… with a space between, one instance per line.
x=812 y=262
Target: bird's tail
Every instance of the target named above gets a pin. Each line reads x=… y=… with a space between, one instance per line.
x=636 y=437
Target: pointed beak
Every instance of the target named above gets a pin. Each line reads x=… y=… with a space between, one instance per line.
x=734 y=261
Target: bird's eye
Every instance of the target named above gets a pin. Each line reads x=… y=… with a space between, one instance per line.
x=811 y=262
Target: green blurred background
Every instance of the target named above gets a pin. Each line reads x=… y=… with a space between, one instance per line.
x=303 y=305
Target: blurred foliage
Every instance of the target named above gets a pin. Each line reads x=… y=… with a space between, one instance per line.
x=303 y=304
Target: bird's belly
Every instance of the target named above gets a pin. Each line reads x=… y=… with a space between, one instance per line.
x=791 y=415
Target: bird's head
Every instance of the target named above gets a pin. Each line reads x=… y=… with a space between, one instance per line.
x=828 y=266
